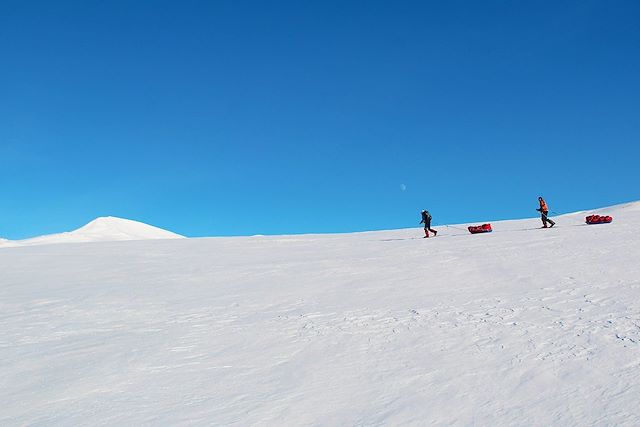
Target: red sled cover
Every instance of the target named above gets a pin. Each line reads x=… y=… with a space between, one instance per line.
x=598 y=219
x=484 y=228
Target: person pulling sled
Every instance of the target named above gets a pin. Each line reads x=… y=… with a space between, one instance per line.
x=544 y=211
x=426 y=220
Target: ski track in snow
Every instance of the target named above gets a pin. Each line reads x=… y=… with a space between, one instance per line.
x=521 y=326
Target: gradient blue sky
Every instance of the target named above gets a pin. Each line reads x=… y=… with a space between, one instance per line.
x=244 y=117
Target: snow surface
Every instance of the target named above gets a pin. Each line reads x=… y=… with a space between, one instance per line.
x=521 y=326
x=102 y=229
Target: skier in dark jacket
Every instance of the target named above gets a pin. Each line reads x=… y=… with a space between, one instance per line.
x=544 y=211
x=426 y=220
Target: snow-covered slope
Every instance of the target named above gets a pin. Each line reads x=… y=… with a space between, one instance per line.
x=522 y=326
x=102 y=229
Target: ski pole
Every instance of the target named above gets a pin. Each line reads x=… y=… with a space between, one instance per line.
x=553 y=212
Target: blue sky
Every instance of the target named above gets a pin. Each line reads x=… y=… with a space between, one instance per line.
x=245 y=117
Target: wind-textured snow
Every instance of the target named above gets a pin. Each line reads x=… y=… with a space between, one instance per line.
x=521 y=326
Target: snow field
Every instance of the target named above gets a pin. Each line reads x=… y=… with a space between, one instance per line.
x=520 y=326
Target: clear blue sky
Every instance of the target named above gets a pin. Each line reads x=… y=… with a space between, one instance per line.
x=244 y=117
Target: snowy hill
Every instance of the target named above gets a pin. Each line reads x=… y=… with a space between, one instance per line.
x=522 y=326
x=102 y=229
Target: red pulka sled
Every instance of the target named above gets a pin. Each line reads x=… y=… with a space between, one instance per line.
x=476 y=229
x=598 y=219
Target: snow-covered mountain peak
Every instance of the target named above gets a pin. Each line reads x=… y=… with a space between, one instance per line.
x=102 y=229
x=114 y=228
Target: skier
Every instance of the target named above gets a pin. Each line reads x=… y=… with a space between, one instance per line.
x=544 y=211
x=426 y=220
